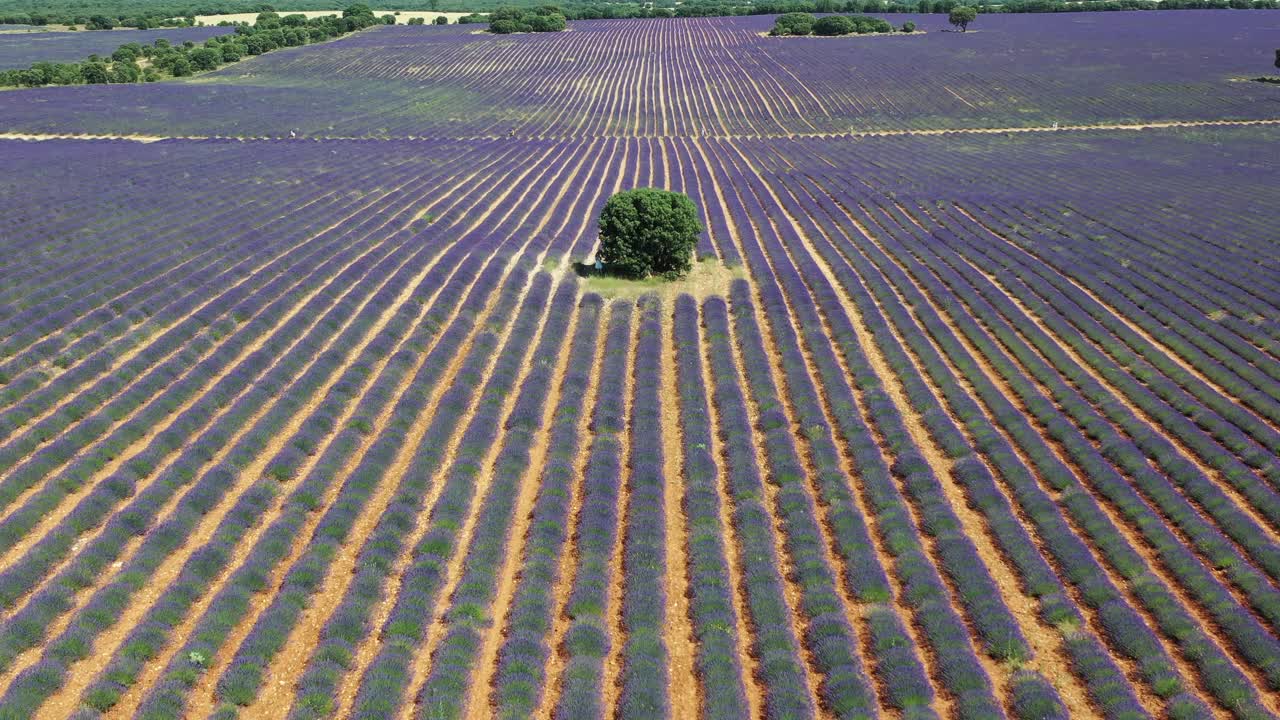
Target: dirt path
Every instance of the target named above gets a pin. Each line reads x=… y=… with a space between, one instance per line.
x=1153 y=125
x=685 y=690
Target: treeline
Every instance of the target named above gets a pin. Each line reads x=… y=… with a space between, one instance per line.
x=134 y=62
x=152 y=13
x=798 y=23
x=105 y=20
x=506 y=20
x=716 y=8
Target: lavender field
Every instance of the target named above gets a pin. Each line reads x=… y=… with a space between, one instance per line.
x=20 y=49
x=304 y=412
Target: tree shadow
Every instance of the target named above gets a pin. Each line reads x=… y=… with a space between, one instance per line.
x=588 y=270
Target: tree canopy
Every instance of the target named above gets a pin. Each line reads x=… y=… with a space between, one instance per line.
x=545 y=18
x=963 y=15
x=793 y=23
x=270 y=32
x=648 y=231
x=798 y=23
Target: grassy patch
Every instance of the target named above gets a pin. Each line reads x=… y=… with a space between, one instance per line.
x=707 y=277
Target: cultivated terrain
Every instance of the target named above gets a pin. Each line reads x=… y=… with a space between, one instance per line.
x=970 y=407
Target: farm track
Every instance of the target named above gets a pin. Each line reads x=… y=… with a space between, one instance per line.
x=687 y=689
x=851 y=135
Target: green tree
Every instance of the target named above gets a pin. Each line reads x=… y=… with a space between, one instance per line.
x=126 y=53
x=100 y=22
x=646 y=232
x=125 y=72
x=205 y=58
x=834 y=25
x=793 y=23
x=95 y=73
x=962 y=15
x=444 y=20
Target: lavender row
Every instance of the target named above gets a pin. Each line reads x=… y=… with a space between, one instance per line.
x=231 y=603
x=241 y=378
x=520 y=678
x=1188 y=404
x=588 y=638
x=252 y=239
x=242 y=303
x=703 y=92
x=241 y=681
x=382 y=687
x=107 y=603
x=1209 y=408
x=774 y=644
x=117 y=281
x=1240 y=527
x=465 y=622
x=1169 y=291
x=263 y=229
x=828 y=635
x=1128 y=455
x=230 y=394
x=715 y=617
x=348 y=626
x=242 y=310
x=1219 y=676
x=931 y=600
x=1107 y=685
x=645 y=674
